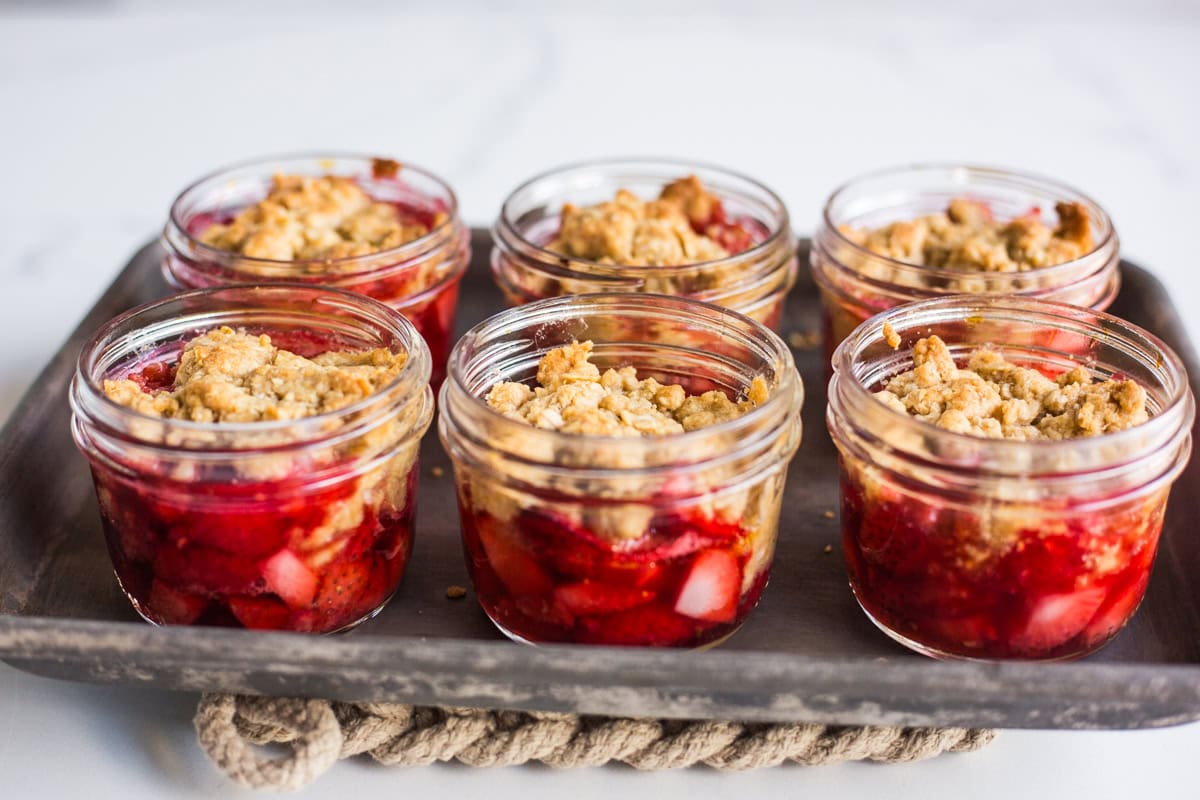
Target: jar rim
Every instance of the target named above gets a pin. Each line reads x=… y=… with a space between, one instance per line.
x=88 y=400
x=992 y=173
x=779 y=232
x=177 y=222
x=1175 y=416
x=787 y=390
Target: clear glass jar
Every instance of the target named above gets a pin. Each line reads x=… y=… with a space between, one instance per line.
x=302 y=525
x=754 y=281
x=967 y=547
x=662 y=540
x=419 y=279
x=856 y=283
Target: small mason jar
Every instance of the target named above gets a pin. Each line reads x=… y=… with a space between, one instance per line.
x=301 y=525
x=656 y=540
x=754 y=281
x=420 y=279
x=960 y=546
x=856 y=283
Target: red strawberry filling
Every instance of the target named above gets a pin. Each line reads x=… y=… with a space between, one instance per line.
x=1056 y=591
x=233 y=554
x=543 y=578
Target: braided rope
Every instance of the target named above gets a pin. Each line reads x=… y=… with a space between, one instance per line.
x=319 y=732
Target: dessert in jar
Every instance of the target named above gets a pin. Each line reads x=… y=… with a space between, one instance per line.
x=659 y=227
x=910 y=233
x=1005 y=466
x=254 y=452
x=620 y=461
x=375 y=226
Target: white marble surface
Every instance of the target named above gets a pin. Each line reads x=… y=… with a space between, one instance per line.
x=108 y=109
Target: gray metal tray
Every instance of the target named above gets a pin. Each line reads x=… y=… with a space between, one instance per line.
x=807 y=653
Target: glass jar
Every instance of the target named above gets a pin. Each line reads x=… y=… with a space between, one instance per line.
x=856 y=283
x=754 y=281
x=419 y=279
x=657 y=540
x=302 y=525
x=967 y=547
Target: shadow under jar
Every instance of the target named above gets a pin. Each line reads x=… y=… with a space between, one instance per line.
x=299 y=524
x=960 y=546
x=855 y=282
x=748 y=219
x=662 y=540
x=419 y=278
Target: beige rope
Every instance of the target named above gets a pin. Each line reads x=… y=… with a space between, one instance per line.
x=319 y=732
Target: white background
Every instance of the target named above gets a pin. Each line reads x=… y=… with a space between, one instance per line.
x=107 y=109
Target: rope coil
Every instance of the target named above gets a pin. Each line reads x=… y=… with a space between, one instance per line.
x=320 y=732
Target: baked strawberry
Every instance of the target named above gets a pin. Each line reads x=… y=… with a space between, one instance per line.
x=515 y=566
x=287 y=576
x=342 y=586
x=172 y=606
x=592 y=597
x=710 y=590
x=246 y=535
x=1056 y=619
x=260 y=613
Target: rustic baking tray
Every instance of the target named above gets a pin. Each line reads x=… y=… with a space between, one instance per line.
x=807 y=653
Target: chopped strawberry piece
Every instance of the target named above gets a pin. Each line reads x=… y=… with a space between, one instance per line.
x=648 y=625
x=592 y=597
x=343 y=584
x=710 y=590
x=1057 y=618
x=260 y=613
x=287 y=576
x=515 y=566
x=173 y=606
x=549 y=610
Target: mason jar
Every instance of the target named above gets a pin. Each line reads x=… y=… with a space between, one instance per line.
x=753 y=280
x=419 y=278
x=960 y=546
x=855 y=283
x=624 y=540
x=293 y=524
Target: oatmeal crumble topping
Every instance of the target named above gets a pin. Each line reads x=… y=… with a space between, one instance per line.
x=996 y=399
x=573 y=396
x=632 y=232
x=966 y=237
x=314 y=218
x=228 y=376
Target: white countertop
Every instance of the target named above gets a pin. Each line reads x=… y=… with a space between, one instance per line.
x=109 y=108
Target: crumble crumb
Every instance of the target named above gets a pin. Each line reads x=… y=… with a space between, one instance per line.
x=573 y=396
x=827 y=549
x=455 y=592
x=437 y=472
x=629 y=231
x=229 y=376
x=996 y=399
x=966 y=237
x=304 y=218
x=827 y=514
x=890 y=336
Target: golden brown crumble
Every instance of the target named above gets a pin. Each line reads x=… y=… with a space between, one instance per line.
x=573 y=396
x=629 y=231
x=890 y=336
x=966 y=237
x=227 y=376
x=304 y=218
x=996 y=399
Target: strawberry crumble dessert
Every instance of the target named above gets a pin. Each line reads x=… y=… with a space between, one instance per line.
x=602 y=571
x=312 y=538
x=1006 y=574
